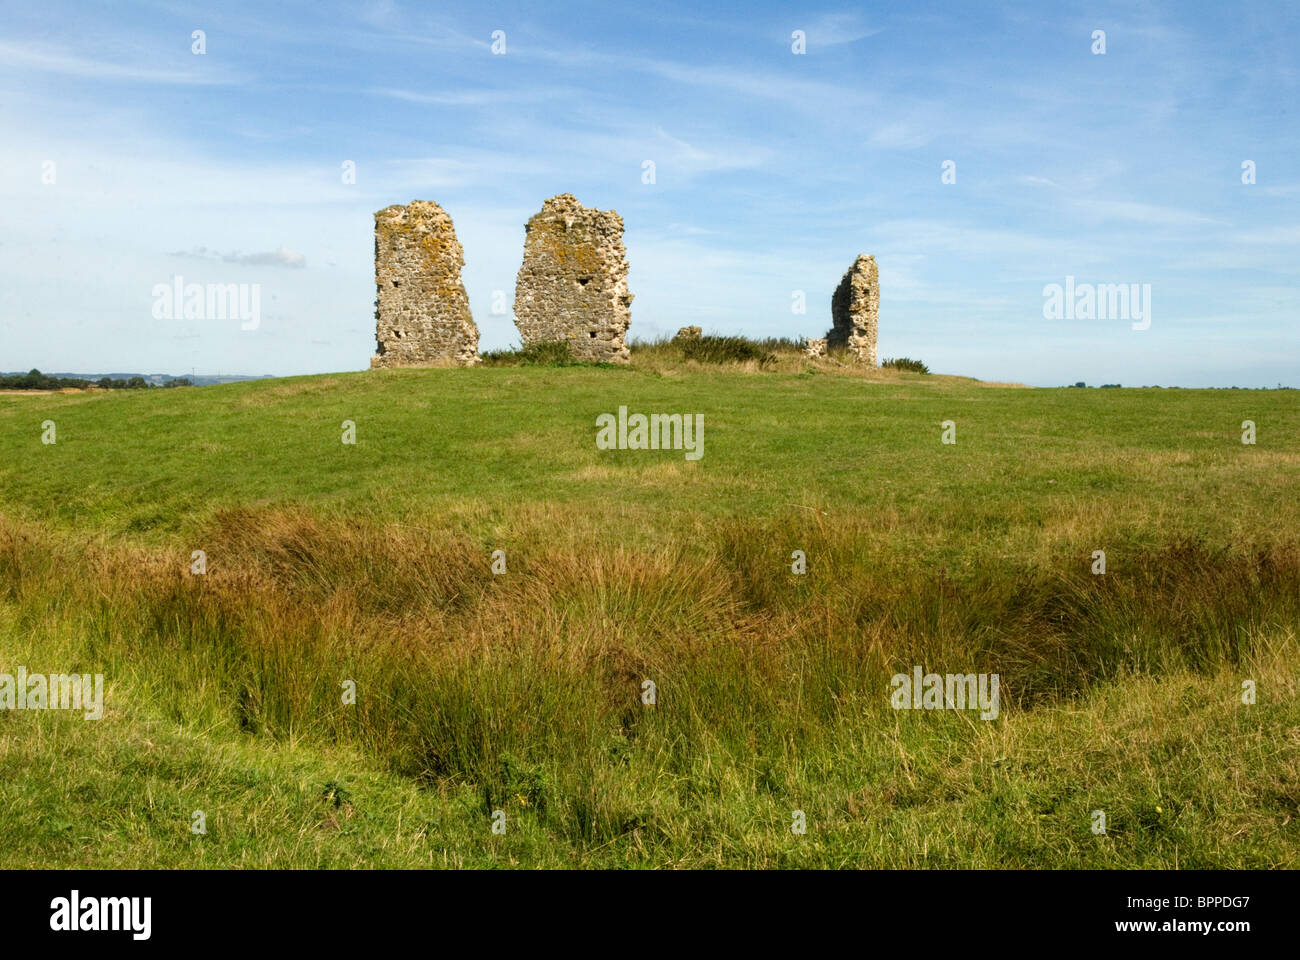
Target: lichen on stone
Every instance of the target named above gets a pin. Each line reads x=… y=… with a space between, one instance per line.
x=422 y=315
x=572 y=285
x=855 y=308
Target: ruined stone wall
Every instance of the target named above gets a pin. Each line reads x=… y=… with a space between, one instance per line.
x=572 y=285
x=855 y=309
x=422 y=315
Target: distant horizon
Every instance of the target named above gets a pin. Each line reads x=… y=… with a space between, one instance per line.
x=140 y=373
x=323 y=373
x=119 y=374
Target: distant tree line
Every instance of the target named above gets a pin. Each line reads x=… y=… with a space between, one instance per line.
x=35 y=380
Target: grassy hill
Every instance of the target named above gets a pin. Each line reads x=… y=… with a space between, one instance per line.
x=370 y=563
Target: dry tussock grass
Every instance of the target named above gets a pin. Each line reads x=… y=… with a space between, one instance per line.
x=292 y=603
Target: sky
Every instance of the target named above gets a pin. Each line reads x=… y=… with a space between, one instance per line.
x=980 y=152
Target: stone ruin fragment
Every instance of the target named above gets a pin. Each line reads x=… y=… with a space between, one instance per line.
x=689 y=333
x=422 y=315
x=572 y=285
x=854 y=310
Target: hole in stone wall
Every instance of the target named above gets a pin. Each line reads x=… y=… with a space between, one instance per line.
x=397 y=283
x=593 y=334
x=583 y=281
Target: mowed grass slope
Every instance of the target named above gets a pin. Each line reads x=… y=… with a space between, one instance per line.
x=521 y=692
x=433 y=442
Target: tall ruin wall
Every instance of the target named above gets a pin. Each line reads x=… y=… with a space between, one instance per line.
x=855 y=309
x=572 y=285
x=422 y=315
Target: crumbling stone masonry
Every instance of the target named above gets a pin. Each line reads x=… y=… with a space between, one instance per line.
x=854 y=311
x=814 y=347
x=422 y=315
x=572 y=285
x=689 y=333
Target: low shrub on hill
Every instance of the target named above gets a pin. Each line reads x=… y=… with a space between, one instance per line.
x=905 y=363
x=726 y=350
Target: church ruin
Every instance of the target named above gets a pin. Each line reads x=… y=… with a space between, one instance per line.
x=572 y=285
x=422 y=315
x=855 y=307
x=571 y=288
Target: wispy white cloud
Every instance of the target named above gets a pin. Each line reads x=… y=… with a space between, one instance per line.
x=777 y=85
x=1147 y=213
x=833 y=29
x=55 y=60
x=1272 y=236
x=283 y=257
x=781 y=85
x=472 y=98
x=467 y=168
x=902 y=136
x=379 y=13
x=930 y=236
x=691 y=160
x=691 y=230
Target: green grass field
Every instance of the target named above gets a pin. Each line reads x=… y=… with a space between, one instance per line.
x=521 y=692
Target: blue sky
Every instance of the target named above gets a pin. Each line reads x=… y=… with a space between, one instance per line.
x=772 y=172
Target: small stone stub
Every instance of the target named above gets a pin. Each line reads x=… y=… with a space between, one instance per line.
x=689 y=333
x=422 y=315
x=855 y=309
x=572 y=285
x=814 y=347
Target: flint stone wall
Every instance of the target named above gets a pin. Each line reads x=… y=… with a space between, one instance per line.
x=422 y=315
x=855 y=309
x=572 y=285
